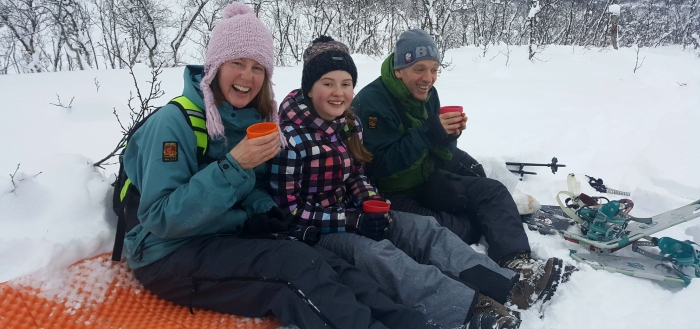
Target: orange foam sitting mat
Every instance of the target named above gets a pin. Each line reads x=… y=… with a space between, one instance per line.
x=99 y=293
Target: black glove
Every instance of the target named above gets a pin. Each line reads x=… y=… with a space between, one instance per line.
x=272 y=221
x=306 y=234
x=435 y=132
x=370 y=225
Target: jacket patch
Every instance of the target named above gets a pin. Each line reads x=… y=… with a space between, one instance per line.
x=372 y=122
x=169 y=151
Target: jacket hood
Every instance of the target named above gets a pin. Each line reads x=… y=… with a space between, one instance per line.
x=193 y=77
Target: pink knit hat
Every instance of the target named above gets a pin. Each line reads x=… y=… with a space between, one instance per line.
x=239 y=35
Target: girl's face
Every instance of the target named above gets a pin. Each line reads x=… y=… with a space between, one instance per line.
x=240 y=81
x=332 y=94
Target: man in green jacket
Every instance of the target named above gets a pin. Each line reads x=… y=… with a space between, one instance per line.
x=418 y=166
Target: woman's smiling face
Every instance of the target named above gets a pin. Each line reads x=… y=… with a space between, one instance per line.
x=240 y=81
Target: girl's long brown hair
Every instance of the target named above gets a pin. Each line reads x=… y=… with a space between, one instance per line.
x=264 y=102
x=355 y=146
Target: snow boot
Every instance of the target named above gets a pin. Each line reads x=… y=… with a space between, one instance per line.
x=527 y=204
x=488 y=313
x=538 y=279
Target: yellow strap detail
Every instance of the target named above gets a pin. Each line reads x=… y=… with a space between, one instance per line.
x=198 y=122
x=202 y=138
x=122 y=193
x=186 y=103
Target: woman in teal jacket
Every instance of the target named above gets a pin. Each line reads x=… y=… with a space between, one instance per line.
x=192 y=211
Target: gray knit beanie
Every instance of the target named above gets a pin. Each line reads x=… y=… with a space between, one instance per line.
x=414 y=46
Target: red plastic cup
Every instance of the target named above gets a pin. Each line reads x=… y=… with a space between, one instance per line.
x=453 y=108
x=261 y=129
x=375 y=206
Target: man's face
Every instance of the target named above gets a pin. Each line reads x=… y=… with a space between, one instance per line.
x=419 y=77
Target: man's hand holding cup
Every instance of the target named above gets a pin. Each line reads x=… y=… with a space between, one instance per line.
x=453 y=119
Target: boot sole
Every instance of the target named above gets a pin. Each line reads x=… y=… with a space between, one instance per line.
x=553 y=282
x=566 y=273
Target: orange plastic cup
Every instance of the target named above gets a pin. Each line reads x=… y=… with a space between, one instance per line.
x=375 y=206
x=261 y=129
x=454 y=108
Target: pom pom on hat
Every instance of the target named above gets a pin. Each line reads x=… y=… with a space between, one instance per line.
x=236 y=8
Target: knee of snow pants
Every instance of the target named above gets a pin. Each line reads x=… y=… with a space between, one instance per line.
x=255 y=278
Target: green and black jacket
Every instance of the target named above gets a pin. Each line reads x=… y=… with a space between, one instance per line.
x=404 y=157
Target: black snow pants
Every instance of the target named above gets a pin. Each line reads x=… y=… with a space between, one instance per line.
x=470 y=207
x=306 y=286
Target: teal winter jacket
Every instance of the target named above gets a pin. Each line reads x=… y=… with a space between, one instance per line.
x=181 y=198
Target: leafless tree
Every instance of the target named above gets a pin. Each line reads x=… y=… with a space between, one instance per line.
x=318 y=17
x=690 y=25
x=439 y=15
x=144 y=23
x=19 y=179
x=25 y=20
x=60 y=104
x=73 y=22
x=12 y=177
x=532 y=21
x=614 y=20
x=48 y=35
x=204 y=24
x=7 y=53
x=139 y=112
x=637 y=64
x=286 y=32
x=109 y=42
x=184 y=24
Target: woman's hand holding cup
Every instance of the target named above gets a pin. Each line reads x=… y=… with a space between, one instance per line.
x=250 y=153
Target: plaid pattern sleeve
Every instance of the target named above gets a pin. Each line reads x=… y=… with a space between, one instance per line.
x=293 y=181
x=358 y=184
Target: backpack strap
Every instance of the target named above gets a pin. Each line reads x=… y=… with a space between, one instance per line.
x=196 y=119
x=118 y=207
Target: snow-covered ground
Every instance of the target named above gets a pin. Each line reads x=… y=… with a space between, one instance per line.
x=637 y=131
